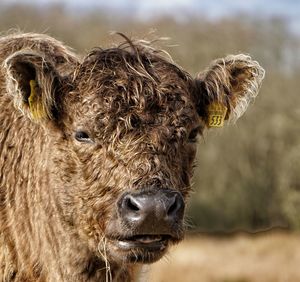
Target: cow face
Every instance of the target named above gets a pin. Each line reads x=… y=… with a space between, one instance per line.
x=124 y=127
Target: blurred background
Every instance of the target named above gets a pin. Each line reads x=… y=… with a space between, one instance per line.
x=246 y=200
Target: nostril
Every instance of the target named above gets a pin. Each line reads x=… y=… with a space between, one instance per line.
x=175 y=206
x=131 y=204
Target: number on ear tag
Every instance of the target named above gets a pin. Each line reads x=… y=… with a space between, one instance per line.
x=216 y=114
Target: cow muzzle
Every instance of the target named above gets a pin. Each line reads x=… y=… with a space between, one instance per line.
x=149 y=220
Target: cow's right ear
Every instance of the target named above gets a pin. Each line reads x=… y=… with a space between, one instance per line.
x=32 y=81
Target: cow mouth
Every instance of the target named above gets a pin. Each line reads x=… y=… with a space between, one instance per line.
x=146 y=248
x=148 y=242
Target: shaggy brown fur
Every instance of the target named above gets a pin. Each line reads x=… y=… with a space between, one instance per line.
x=82 y=134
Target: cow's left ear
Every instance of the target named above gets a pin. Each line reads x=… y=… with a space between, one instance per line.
x=226 y=88
x=32 y=82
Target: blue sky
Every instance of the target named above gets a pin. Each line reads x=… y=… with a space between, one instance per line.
x=145 y=9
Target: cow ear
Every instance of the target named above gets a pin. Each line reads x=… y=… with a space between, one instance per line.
x=32 y=82
x=226 y=88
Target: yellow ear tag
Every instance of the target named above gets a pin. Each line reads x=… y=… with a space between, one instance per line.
x=216 y=114
x=35 y=105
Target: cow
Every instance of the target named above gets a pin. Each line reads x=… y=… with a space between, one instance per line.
x=97 y=153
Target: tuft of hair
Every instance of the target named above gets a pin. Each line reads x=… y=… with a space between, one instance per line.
x=135 y=55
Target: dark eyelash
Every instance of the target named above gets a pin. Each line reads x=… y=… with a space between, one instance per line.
x=82 y=136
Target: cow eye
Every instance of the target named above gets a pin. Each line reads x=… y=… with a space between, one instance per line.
x=82 y=136
x=193 y=135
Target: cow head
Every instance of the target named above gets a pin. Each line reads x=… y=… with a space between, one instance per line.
x=124 y=124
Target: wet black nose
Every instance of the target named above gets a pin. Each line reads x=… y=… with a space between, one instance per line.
x=152 y=211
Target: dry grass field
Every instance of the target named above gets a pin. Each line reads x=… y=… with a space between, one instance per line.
x=266 y=257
